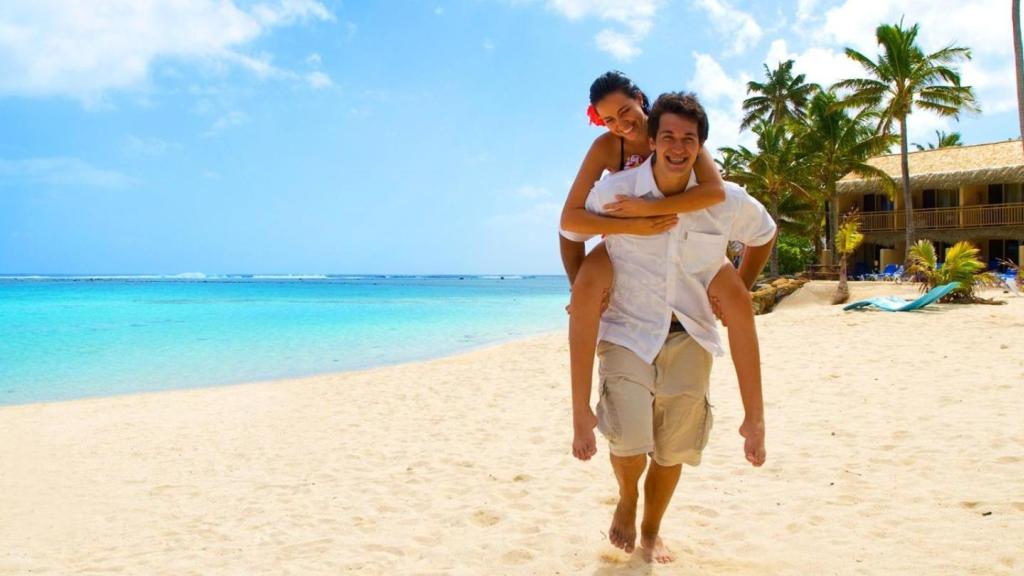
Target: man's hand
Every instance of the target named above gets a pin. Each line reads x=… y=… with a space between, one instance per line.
x=651 y=225
x=753 y=448
x=584 y=444
x=627 y=207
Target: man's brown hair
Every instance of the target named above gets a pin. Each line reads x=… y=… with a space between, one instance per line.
x=684 y=104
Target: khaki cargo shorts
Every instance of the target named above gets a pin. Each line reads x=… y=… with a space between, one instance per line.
x=661 y=409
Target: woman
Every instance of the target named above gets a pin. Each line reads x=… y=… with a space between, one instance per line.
x=619 y=105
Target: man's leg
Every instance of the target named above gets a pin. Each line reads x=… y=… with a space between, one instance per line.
x=628 y=470
x=682 y=421
x=658 y=489
x=624 y=416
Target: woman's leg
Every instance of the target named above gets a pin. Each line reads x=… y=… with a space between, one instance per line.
x=592 y=286
x=734 y=304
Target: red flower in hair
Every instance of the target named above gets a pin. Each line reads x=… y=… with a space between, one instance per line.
x=595 y=118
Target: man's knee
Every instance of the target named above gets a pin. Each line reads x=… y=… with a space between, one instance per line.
x=629 y=463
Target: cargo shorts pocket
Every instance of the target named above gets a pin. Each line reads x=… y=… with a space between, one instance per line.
x=607 y=420
x=705 y=429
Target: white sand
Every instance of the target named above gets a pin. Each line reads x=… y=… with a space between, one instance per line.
x=895 y=446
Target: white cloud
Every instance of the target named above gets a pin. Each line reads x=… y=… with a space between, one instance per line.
x=805 y=9
x=62 y=172
x=84 y=49
x=634 y=19
x=739 y=28
x=229 y=119
x=487 y=45
x=318 y=80
x=619 y=45
x=722 y=96
x=314 y=59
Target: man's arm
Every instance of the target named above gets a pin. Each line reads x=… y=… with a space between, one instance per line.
x=753 y=262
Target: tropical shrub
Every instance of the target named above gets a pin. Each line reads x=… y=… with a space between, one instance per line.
x=962 y=265
x=796 y=253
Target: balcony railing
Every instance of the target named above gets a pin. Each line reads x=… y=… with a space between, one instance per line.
x=981 y=216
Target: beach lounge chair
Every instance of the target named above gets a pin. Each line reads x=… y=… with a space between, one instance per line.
x=1011 y=285
x=889 y=270
x=894 y=304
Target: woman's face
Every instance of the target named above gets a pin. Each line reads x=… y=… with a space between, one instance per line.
x=623 y=116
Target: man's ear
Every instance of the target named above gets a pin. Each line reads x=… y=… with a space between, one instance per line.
x=650 y=142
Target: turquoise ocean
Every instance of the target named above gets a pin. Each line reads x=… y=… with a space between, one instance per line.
x=63 y=338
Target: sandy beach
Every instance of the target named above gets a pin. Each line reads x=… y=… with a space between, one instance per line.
x=895 y=446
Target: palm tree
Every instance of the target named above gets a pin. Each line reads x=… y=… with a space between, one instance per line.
x=781 y=98
x=943 y=140
x=904 y=79
x=837 y=144
x=1018 y=54
x=729 y=163
x=777 y=176
x=848 y=239
x=961 y=265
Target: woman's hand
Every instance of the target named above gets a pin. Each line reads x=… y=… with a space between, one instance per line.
x=651 y=225
x=627 y=207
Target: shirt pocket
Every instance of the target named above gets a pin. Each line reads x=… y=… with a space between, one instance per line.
x=703 y=252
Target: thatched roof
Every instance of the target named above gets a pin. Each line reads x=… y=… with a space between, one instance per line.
x=947 y=168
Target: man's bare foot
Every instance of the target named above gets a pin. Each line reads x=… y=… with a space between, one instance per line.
x=622 y=533
x=654 y=550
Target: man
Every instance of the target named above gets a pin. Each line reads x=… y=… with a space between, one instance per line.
x=659 y=331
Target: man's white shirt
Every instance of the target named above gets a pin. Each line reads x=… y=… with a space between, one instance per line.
x=656 y=276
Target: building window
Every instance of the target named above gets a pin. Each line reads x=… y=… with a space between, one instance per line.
x=1012 y=193
x=940 y=199
x=995 y=193
x=877 y=203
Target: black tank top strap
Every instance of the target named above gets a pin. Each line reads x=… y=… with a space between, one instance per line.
x=622 y=154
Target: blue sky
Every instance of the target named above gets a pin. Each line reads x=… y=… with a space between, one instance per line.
x=411 y=137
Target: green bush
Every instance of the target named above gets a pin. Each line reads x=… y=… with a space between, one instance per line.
x=795 y=253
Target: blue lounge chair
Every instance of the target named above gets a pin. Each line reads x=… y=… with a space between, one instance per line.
x=894 y=304
x=889 y=271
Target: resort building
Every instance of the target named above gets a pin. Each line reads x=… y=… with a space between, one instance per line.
x=968 y=193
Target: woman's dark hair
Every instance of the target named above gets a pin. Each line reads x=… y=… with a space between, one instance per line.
x=615 y=81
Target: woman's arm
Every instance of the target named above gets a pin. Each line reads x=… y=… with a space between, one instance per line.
x=575 y=217
x=710 y=190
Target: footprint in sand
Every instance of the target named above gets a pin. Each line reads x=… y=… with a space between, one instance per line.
x=517 y=556
x=486 y=518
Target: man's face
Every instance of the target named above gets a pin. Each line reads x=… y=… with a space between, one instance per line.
x=677 y=143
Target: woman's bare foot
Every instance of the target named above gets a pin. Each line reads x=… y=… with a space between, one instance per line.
x=654 y=550
x=622 y=533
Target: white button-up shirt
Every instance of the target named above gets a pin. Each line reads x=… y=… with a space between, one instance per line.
x=656 y=276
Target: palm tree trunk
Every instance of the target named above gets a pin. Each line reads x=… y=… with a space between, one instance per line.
x=833 y=219
x=908 y=200
x=1018 y=54
x=842 y=289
